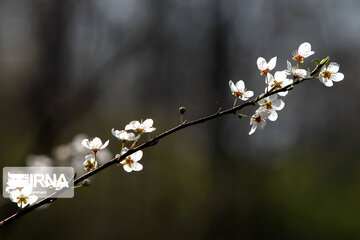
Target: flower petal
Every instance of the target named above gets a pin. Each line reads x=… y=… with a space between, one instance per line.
x=253 y=128
x=272 y=63
x=240 y=85
x=137 y=166
x=105 y=145
x=85 y=143
x=328 y=83
x=232 y=86
x=273 y=116
x=304 y=49
x=261 y=64
x=333 y=67
x=278 y=104
x=127 y=168
x=248 y=94
x=136 y=156
x=283 y=94
x=133 y=125
x=147 y=123
x=337 y=77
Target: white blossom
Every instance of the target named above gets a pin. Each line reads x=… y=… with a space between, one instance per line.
x=296 y=71
x=146 y=126
x=124 y=136
x=90 y=162
x=130 y=163
x=258 y=119
x=264 y=66
x=278 y=81
x=94 y=145
x=303 y=51
x=272 y=104
x=239 y=90
x=23 y=197
x=331 y=74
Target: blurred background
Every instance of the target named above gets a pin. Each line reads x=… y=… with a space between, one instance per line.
x=75 y=67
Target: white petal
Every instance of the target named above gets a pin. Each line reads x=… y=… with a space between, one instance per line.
x=127 y=168
x=270 y=78
x=147 y=123
x=133 y=125
x=328 y=83
x=85 y=143
x=264 y=113
x=280 y=76
x=283 y=94
x=333 y=67
x=32 y=199
x=304 y=48
x=22 y=204
x=89 y=157
x=137 y=166
x=96 y=143
x=301 y=73
x=137 y=155
x=337 y=77
x=273 y=116
x=253 y=128
x=232 y=87
x=248 y=94
x=262 y=124
x=278 y=104
x=105 y=144
x=261 y=64
x=14 y=195
x=272 y=98
x=240 y=85
x=115 y=133
x=272 y=63
x=289 y=67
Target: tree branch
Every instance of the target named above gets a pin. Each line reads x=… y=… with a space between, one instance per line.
x=51 y=198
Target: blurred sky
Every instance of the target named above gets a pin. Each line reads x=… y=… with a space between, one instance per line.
x=74 y=67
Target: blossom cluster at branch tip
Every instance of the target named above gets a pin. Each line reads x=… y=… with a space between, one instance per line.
x=282 y=81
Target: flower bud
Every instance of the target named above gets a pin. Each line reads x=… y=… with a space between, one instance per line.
x=182 y=110
x=86 y=183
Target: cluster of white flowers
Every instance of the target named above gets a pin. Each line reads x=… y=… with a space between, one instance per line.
x=130 y=163
x=285 y=78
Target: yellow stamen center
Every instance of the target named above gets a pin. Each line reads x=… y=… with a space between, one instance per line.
x=268 y=105
x=326 y=74
x=239 y=94
x=258 y=118
x=299 y=58
x=265 y=71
